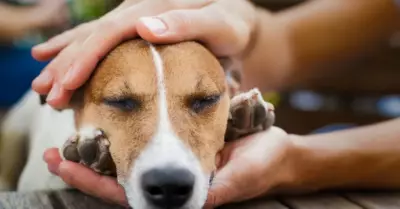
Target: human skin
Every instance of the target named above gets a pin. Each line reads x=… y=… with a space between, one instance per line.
x=16 y=21
x=276 y=162
x=276 y=49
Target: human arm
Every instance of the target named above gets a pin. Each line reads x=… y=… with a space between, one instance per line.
x=296 y=42
x=14 y=22
x=275 y=162
x=366 y=158
x=17 y=21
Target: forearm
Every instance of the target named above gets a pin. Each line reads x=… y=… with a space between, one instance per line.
x=367 y=157
x=316 y=34
x=15 y=22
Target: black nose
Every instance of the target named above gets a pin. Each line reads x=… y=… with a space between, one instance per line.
x=168 y=187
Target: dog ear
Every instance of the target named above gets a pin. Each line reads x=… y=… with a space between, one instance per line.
x=75 y=102
x=233 y=74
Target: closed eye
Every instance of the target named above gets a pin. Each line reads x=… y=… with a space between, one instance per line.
x=200 y=103
x=124 y=104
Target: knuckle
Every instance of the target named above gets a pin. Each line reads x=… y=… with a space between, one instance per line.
x=107 y=25
x=181 y=21
x=184 y=4
x=82 y=26
x=242 y=32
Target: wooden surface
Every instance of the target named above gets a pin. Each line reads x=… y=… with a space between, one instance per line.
x=73 y=199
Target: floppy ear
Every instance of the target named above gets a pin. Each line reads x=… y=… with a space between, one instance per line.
x=233 y=74
x=75 y=102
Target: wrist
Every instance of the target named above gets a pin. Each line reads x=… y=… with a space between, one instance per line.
x=323 y=164
x=297 y=173
x=267 y=59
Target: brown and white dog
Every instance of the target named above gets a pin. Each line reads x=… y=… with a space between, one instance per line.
x=155 y=116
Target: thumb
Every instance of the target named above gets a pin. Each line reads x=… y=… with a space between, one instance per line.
x=223 y=188
x=210 y=26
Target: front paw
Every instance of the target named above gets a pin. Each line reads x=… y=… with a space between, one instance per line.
x=249 y=113
x=90 y=147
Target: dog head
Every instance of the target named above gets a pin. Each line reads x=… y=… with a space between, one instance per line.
x=164 y=110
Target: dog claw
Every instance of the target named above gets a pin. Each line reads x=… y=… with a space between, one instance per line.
x=249 y=113
x=90 y=148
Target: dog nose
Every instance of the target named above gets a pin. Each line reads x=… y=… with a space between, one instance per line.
x=168 y=187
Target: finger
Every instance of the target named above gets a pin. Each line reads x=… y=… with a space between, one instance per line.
x=56 y=44
x=223 y=189
x=229 y=147
x=52 y=156
x=88 y=181
x=93 y=50
x=43 y=82
x=59 y=97
x=223 y=34
x=50 y=48
x=54 y=72
x=114 y=30
x=53 y=160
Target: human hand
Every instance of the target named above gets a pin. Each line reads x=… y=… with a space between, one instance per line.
x=85 y=179
x=224 y=26
x=252 y=166
x=261 y=160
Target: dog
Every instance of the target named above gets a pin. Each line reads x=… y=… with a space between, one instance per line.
x=154 y=116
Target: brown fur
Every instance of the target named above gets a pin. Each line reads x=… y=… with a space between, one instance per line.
x=129 y=70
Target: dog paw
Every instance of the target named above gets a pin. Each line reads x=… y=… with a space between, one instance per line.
x=90 y=147
x=249 y=113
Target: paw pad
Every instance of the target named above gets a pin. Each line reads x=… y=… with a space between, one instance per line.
x=249 y=113
x=90 y=147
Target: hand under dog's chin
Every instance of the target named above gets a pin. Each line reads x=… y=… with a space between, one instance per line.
x=197 y=201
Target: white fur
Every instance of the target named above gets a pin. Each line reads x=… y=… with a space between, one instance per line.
x=45 y=128
x=48 y=128
x=165 y=149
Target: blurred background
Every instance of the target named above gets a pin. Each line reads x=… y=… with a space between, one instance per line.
x=363 y=90
x=25 y=23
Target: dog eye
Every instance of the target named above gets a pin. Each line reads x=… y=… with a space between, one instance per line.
x=201 y=103
x=122 y=104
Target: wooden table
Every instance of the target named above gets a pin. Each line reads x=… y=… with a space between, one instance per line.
x=73 y=200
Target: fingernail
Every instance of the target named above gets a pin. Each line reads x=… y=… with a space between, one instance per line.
x=154 y=24
x=54 y=92
x=44 y=78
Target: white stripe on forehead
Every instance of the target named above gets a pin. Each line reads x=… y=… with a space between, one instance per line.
x=164 y=149
x=163 y=123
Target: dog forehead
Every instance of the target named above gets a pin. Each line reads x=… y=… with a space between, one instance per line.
x=132 y=64
x=191 y=64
